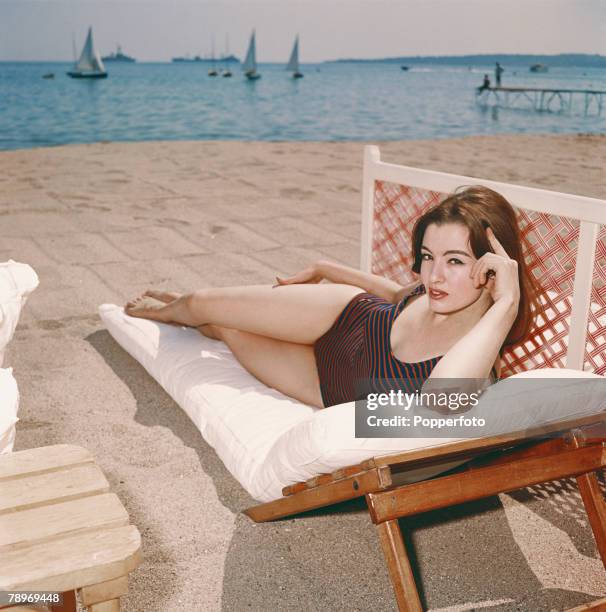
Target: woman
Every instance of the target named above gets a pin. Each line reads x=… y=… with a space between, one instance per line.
x=313 y=341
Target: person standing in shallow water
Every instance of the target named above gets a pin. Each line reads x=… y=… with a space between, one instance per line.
x=473 y=297
x=498 y=71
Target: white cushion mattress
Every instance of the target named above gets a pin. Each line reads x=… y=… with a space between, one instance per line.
x=17 y=281
x=9 y=404
x=265 y=439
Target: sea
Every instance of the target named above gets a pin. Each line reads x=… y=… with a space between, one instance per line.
x=337 y=101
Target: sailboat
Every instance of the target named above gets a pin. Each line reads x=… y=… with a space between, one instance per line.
x=226 y=58
x=213 y=69
x=90 y=65
x=250 y=63
x=293 y=62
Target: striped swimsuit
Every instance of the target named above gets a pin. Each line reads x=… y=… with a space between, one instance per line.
x=357 y=347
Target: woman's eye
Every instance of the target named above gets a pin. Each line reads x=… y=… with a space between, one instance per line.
x=456 y=261
x=425 y=256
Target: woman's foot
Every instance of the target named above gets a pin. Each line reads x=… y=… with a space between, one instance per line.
x=136 y=309
x=145 y=307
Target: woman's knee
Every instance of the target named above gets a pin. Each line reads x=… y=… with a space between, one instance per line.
x=217 y=332
x=231 y=336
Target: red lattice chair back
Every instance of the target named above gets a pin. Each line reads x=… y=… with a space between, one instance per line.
x=569 y=264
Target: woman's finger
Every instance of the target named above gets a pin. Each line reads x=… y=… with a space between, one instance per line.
x=473 y=269
x=495 y=244
x=299 y=278
x=477 y=277
x=480 y=262
x=484 y=272
x=477 y=268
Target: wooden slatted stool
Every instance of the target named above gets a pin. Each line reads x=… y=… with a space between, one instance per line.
x=61 y=529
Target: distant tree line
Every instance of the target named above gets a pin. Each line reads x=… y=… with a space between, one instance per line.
x=581 y=60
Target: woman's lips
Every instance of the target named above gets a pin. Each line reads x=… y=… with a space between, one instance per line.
x=437 y=295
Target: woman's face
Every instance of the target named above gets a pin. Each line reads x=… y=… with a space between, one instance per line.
x=446 y=260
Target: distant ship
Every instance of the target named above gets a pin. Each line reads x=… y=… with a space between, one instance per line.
x=208 y=60
x=538 y=68
x=118 y=56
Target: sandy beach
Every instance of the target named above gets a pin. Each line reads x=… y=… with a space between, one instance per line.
x=103 y=222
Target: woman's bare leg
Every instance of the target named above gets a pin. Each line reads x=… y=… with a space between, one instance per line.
x=292 y=313
x=287 y=367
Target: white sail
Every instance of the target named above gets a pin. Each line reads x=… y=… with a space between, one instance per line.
x=250 y=62
x=293 y=62
x=90 y=60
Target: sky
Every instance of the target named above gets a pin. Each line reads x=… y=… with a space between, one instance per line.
x=156 y=30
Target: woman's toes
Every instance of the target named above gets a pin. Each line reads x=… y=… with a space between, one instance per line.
x=133 y=302
x=147 y=308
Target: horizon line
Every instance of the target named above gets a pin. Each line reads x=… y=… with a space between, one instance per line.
x=342 y=59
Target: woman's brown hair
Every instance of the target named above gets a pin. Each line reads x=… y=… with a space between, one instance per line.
x=477 y=208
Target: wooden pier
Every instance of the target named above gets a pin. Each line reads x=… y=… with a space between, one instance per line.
x=546 y=100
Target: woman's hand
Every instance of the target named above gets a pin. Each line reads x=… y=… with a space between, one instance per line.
x=340 y=274
x=497 y=272
x=311 y=274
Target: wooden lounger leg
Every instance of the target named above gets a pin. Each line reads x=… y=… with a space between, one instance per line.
x=399 y=567
x=69 y=603
x=595 y=506
x=589 y=487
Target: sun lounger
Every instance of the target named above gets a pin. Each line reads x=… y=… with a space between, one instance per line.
x=296 y=458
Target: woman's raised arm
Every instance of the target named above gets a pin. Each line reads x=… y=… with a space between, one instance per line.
x=338 y=273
